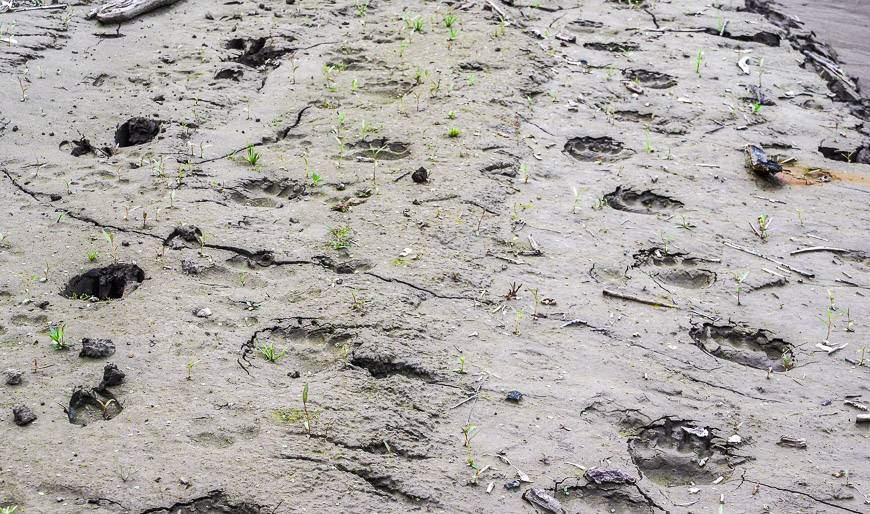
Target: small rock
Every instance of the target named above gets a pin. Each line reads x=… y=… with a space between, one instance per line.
x=294 y=374
x=12 y=376
x=23 y=415
x=735 y=439
x=112 y=376
x=192 y=267
x=792 y=442
x=514 y=396
x=421 y=176
x=542 y=500
x=512 y=485
x=205 y=312
x=97 y=348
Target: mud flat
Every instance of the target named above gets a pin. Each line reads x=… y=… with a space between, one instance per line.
x=431 y=256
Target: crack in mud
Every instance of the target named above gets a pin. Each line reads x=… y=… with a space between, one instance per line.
x=214 y=501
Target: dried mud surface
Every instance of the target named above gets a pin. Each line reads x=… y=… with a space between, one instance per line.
x=563 y=307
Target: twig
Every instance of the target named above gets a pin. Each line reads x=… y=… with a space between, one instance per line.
x=771 y=200
x=35 y=8
x=819 y=249
x=476 y=396
x=771 y=259
x=498 y=10
x=463 y=402
x=638 y=299
x=675 y=30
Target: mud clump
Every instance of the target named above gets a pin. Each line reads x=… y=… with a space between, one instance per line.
x=603 y=148
x=12 y=376
x=755 y=349
x=136 y=131
x=256 y=52
x=421 y=176
x=112 y=376
x=644 y=202
x=603 y=476
x=22 y=415
x=112 y=282
x=97 y=348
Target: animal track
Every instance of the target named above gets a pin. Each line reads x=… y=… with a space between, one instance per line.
x=736 y=344
x=651 y=79
x=673 y=452
x=381 y=149
x=645 y=202
x=604 y=148
x=252 y=191
x=676 y=269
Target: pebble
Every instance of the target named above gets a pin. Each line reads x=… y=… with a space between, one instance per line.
x=514 y=396
x=13 y=376
x=205 y=312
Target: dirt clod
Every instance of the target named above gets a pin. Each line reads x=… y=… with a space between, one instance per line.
x=421 y=176
x=97 y=348
x=112 y=376
x=111 y=282
x=22 y=415
x=12 y=376
x=136 y=131
x=543 y=500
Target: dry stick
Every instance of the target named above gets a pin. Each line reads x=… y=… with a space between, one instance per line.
x=498 y=10
x=674 y=30
x=819 y=249
x=476 y=396
x=771 y=259
x=36 y=8
x=638 y=299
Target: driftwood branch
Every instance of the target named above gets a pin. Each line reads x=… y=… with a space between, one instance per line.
x=117 y=11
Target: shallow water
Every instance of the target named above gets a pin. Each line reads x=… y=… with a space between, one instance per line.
x=845 y=24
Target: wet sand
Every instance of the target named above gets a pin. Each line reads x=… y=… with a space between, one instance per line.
x=845 y=25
